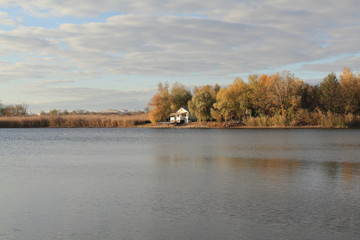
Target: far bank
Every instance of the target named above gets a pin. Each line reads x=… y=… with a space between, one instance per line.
x=141 y=120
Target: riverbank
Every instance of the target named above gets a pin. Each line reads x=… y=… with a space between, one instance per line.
x=141 y=120
x=217 y=125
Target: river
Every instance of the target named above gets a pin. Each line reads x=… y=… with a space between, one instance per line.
x=162 y=184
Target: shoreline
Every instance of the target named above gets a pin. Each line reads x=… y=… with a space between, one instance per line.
x=216 y=125
x=136 y=121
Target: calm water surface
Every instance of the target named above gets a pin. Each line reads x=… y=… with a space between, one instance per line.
x=179 y=184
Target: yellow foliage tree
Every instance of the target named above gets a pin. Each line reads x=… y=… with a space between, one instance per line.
x=261 y=101
x=350 y=91
x=285 y=91
x=160 y=104
x=233 y=102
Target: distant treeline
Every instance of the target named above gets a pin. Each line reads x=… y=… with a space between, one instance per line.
x=13 y=110
x=280 y=99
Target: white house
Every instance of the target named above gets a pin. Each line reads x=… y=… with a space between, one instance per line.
x=181 y=116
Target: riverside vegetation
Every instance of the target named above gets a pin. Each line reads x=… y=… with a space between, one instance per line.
x=74 y=121
x=278 y=100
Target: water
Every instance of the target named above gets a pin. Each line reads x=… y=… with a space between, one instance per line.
x=179 y=184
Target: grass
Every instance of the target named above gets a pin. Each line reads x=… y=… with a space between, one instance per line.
x=75 y=121
x=300 y=119
x=306 y=119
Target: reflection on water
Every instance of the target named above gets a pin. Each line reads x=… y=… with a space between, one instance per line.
x=347 y=171
x=179 y=184
x=264 y=166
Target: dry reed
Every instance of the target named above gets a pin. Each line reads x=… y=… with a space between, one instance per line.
x=75 y=121
x=299 y=119
x=305 y=118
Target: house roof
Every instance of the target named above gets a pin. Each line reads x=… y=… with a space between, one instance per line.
x=182 y=110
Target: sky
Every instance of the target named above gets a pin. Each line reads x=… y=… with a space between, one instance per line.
x=110 y=54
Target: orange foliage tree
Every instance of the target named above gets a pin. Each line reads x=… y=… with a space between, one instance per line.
x=160 y=104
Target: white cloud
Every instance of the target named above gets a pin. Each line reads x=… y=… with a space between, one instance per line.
x=88 y=98
x=160 y=45
x=177 y=38
x=57 y=8
x=6 y=20
x=337 y=65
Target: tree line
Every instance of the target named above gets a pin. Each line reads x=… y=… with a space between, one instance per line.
x=12 y=110
x=263 y=97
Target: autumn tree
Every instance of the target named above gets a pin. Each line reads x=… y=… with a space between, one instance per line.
x=329 y=94
x=350 y=91
x=280 y=93
x=285 y=91
x=15 y=110
x=280 y=97
x=179 y=97
x=202 y=102
x=233 y=102
x=260 y=100
x=160 y=104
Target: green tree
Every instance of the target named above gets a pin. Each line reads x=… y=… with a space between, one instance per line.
x=330 y=96
x=180 y=96
x=202 y=102
x=309 y=97
x=160 y=104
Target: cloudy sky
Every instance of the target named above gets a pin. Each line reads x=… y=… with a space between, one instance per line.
x=90 y=54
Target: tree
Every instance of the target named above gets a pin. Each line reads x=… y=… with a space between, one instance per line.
x=1 y=108
x=202 y=102
x=15 y=110
x=233 y=102
x=280 y=93
x=217 y=88
x=309 y=97
x=285 y=91
x=180 y=96
x=330 y=97
x=350 y=91
x=160 y=104
x=260 y=99
x=54 y=112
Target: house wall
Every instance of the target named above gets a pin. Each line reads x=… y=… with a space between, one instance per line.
x=182 y=115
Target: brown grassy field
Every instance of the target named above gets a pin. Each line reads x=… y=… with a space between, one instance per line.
x=75 y=121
